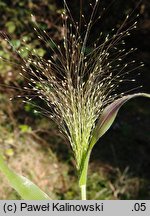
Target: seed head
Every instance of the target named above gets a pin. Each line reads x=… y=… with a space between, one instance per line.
x=79 y=79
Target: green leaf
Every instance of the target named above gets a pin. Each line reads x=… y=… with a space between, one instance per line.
x=1 y=52
x=15 y=43
x=10 y=26
x=84 y=169
x=9 y=152
x=24 y=52
x=25 y=128
x=26 y=38
x=40 y=52
x=108 y=116
x=25 y=188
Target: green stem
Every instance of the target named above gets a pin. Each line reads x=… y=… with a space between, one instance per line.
x=83 y=192
x=83 y=176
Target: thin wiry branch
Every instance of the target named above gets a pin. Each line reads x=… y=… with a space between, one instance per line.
x=75 y=84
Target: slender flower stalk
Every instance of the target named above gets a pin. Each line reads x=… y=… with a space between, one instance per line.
x=80 y=86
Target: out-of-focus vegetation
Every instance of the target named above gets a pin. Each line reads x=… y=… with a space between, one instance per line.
x=120 y=163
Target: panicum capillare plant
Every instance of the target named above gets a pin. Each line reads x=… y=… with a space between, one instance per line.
x=79 y=81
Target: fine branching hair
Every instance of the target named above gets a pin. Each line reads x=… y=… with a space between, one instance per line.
x=80 y=77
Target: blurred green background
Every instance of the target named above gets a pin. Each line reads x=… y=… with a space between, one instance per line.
x=120 y=162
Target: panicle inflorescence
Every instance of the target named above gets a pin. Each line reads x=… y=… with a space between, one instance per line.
x=75 y=83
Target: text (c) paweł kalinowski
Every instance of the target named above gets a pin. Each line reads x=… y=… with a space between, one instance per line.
x=61 y=207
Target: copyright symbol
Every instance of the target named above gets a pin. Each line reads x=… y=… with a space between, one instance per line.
x=9 y=207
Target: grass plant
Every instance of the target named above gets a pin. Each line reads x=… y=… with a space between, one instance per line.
x=78 y=84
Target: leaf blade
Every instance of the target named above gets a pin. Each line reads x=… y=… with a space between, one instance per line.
x=25 y=188
x=108 y=116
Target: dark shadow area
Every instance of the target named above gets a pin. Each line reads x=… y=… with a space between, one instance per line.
x=127 y=143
